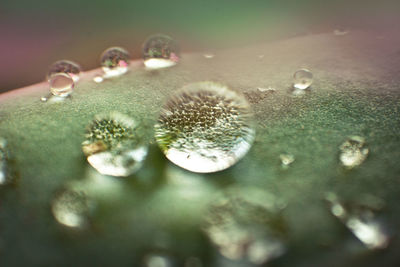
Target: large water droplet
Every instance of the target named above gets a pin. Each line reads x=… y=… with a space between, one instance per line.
x=65 y=66
x=302 y=79
x=353 y=152
x=247 y=224
x=114 y=61
x=61 y=85
x=205 y=127
x=72 y=208
x=5 y=176
x=160 y=51
x=115 y=145
x=361 y=221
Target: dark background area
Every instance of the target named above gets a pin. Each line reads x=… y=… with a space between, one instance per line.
x=33 y=34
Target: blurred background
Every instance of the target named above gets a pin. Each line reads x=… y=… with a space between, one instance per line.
x=34 y=34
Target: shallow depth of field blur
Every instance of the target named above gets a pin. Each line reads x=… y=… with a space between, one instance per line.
x=34 y=34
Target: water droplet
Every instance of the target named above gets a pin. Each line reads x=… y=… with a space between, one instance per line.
x=246 y=223
x=286 y=159
x=209 y=55
x=114 y=62
x=205 y=127
x=98 y=79
x=157 y=260
x=340 y=32
x=5 y=176
x=302 y=79
x=353 y=152
x=160 y=51
x=115 y=145
x=71 y=207
x=61 y=85
x=65 y=66
x=261 y=56
x=361 y=221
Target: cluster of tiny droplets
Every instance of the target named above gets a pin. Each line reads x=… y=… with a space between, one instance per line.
x=160 y=46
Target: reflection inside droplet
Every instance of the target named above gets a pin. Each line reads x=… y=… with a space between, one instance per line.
x=114 y=62
x=61 y=85
x=65 y=66
x=160 y=51
x=302 y=79
x=353 y=152
x=115 y=145
x=205 y=127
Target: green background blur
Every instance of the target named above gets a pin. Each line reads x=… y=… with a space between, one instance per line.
x=33 y=34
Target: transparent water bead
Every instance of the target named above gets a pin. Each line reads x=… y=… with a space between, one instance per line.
x=65 y=66
x=61 y=85
x=286 y=159
x=115 y=145
x=114 y=61
x=361 y=220
x=72 y=208
x=353 y=152
x=158 y=260
x=209 y=55
x=205 y=127
x=160 y=51
x=302 y=79
x=5 y=176
x=246 y=224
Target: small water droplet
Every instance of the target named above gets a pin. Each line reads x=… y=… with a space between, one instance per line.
x=361 y=221
x=5 y=176
x=302 y=79
x=160 y=51
x=115 y=145
x=353 y=152
x=157 y=260
x=72 y=208
x=205 y=127
x=114 y=62
x=98 y=79
x=209 y=55
x=286 y=159
x=65 y=66
x=340 y=32
x=266 y=89
x=261 y=56
x=246 y=223
x=61 y=85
